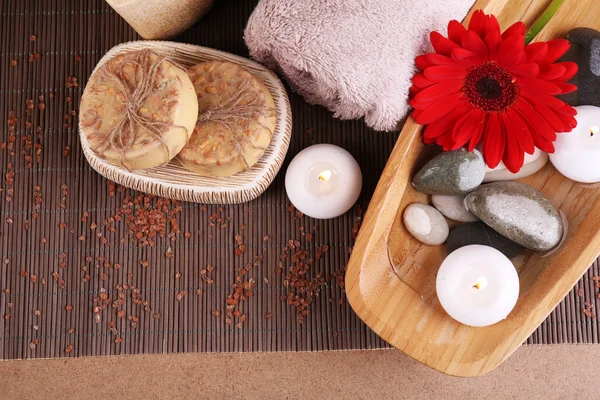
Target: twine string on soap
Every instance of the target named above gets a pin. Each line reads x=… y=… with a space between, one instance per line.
x=135 y=96
x=245 y=105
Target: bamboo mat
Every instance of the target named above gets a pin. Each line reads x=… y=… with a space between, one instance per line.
x=79 y=276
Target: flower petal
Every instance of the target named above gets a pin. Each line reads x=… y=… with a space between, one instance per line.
x=565 y=87
x=530 y=70
x=494 y=141
x=571 y=69
x=456 y=31
x=439 y=90
x=446 y=123
x=420 y=81
x=550 y=116
x=535 y=96
x=441 y=44
x=536 y=52
x=463 y=56
x=556 y=49
x=493 y=40
x=476 y=138
x=515 y=30
x=438 y=59
x=439 y=109
x=443 y=72
x=466 y=127
x=513 y=155
x=550 y=72
x=541 y=132
x=521 y=131
x=478 y=22
x=538 y=85
x=511 y=51
x=474 y=43
x=421 y=62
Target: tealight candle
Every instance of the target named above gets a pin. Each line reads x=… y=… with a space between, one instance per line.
x=477 y=285
x=577 y=153
x=323 y=181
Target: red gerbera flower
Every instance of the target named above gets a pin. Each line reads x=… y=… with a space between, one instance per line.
x=482 y=85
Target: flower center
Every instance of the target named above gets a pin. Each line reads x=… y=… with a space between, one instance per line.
x=490 y=87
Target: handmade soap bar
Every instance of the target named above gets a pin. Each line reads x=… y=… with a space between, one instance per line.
x=138 y=110
x=235 y=123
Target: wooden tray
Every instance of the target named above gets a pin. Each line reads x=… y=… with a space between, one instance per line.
x=175 y=182
x=390 y=279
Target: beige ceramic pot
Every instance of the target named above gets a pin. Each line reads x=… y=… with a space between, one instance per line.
x=160 y=19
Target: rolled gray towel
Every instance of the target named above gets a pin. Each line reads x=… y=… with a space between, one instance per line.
x=355 y=57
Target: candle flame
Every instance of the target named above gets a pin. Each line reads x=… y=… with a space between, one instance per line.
x=594 y=130
x=325 y=175
x=481 y=283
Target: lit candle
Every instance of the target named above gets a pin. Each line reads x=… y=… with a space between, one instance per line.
x=477 y=285
x=323 y=181
x=577 y=153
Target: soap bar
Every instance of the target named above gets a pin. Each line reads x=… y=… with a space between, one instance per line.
x=236 y=120
x=138 y=110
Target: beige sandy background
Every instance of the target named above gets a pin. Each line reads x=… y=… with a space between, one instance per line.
x=534 y=372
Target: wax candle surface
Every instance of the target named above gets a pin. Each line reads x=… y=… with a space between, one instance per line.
x=323 y=181
x=477 y=285
x=577 y=153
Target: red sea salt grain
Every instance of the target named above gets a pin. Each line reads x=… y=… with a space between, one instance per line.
x=32 y=38
x=215 y=312
x=69 y=308
x=13 y=63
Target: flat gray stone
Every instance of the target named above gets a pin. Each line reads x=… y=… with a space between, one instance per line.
x=479 y=233
x=518 y=212
x=453 y=172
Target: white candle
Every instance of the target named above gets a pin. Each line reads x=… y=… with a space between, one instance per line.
x=477 y=285
x=323 y=181
x=577 y=153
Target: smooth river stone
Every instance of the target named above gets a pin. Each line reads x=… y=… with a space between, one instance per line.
x=426 y=224
x=518 y=212
x=480 y=233
x=585 y=51
x=532 y=164
x=453 y=207
x=453 y=172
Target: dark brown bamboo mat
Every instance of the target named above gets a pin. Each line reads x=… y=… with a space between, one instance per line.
x=79 y=276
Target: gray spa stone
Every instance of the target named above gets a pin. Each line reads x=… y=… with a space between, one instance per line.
x=518 y=212
x=453 y=172
x=585 y=51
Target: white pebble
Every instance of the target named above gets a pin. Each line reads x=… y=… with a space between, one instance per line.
x=426 y=224
x=453 y=207
x=532 y=164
